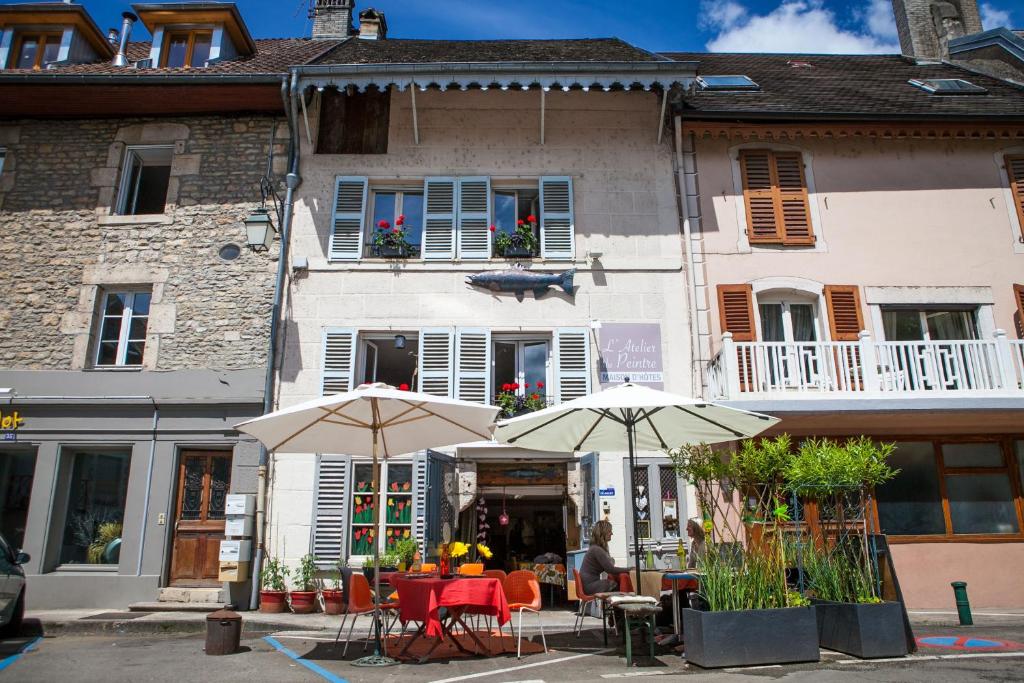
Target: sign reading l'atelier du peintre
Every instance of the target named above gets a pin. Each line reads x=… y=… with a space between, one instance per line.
x=631 y=351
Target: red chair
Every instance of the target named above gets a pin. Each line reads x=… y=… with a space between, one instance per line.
x=585 y=600
x=522 y=590
x=360 y=602
x=500 y=575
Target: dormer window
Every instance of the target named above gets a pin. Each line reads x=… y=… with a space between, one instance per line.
x=186 y=49
x=35 y=50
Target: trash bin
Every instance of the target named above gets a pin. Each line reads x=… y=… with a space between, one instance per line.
x=223 y=631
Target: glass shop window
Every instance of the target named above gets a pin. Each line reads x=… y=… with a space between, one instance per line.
x=97 y=492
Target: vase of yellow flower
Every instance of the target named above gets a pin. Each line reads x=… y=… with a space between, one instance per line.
x=483 y=551
x=450 y=555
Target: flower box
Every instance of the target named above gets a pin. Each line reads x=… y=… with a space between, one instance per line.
x=517 y=252
x=392 y=251
x=868 y=631
x=751 y=637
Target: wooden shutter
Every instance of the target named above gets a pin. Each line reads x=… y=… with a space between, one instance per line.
x=439 y=218
x=572 y=363
x=1018 y=295
x=474 y=222
x=473 y=364
x=736 y=311
x=557 y=225
x=330 y=520
x=1015 y=172
x=339 y=359
x=775 y=195
x=349 y=218
x=844 y=317
x=354 y=122
x=435 y=361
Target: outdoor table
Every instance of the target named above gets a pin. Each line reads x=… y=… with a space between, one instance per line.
x=675 y=578
x=421 y=600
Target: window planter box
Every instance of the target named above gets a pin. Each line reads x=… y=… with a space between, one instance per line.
x=517 y=252
x=385 y=251
x=751 y=637
x=865 y=631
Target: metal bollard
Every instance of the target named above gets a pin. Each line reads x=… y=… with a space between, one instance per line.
x=963 y=606
x=223 y=632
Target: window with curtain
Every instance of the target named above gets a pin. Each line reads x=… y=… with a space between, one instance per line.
x=905 y=324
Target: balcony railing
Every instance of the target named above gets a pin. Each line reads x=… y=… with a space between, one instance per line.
x=867 y=368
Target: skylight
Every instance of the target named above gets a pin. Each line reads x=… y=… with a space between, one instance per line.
x=727 y=83
x=948 y=86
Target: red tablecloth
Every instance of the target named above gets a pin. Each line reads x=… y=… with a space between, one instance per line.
x=420 y=600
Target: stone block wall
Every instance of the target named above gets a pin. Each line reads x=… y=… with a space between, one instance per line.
x=62 y=247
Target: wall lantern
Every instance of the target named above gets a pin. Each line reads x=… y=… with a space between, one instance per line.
x=399 y=341
x=259 y=230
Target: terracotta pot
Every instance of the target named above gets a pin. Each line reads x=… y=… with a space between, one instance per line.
x=303 y=602
x=273 y=602
x=333 y=603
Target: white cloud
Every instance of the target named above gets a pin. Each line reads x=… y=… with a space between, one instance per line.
x=797 y=26
x=722 y=15
x=879 y=19
x=993 y=17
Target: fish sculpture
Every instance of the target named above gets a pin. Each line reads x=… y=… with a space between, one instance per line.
x=519 y=281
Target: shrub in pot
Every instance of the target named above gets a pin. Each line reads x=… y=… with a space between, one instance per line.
x=388 y=563
x=273 y=596
x=304 y=599
x=334 y=597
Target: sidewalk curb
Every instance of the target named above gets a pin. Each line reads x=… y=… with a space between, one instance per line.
x=136 y=627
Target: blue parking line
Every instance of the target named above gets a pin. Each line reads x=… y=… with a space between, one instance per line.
x=315 y=668
x=7 y=661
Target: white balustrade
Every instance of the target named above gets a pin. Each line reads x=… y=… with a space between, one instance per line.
x=866 y=367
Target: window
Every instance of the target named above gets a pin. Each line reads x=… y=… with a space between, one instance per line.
x=395 y=520
x=794 y=364
x=186 y=49
x=97 y=491
x=384 y=362
x=523 y=363
x=124 y=318
x=512 y=206
x=775 y=195
x=669 y=501
x=641 y=490
x=1015 y=174
x=947 y=86
x=35 y=50
x=17 y=469
x=354 y=122
x=737 y=82
x=144 y=180
x=388 y=205
x=908 y=324
x=950 y=489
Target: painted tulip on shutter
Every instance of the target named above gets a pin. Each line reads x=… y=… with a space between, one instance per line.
x=435 y=360
x=474 y=234
x=844 y=317
x=349 y=218
x=736 y=311
x=572 y=363
x=473 y=365
x=441 y=196
x=339 y=357
x=557 y=225
x=331 y=495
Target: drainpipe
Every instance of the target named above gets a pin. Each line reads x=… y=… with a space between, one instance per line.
x=682 y=194
x=292 y=181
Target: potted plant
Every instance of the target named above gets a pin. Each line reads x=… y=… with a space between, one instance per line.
x=390 y=241
x=405 y=550
x=388 y=563
x=838 y=568
x=273 y=595
x=334 y=597
x=304 y=599
x=513 y=403
x=520 y=243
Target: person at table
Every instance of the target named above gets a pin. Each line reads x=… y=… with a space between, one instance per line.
x=598 y=560
x=698 y=546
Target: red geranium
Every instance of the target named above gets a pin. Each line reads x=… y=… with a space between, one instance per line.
x=526 y=386
x=535 y=397
x=515 y=385
x=383 y=225
x=531 y=218
x=492 y=228
x=400 y=220
x=506 y=387
x=520 y=222
x=540 y=385
x=403 y=387
x=397 y=230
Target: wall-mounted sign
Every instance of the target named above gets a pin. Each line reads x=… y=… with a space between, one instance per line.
x=9 y=423
x=606 y=493
x=633 y=351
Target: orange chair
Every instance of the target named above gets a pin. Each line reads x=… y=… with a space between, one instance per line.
x=471 y=569
x=498 y=574
x=360 y=601
x=584 y=599
x=522 y=590
x=427 y=568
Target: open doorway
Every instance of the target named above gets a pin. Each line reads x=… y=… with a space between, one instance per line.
x=391 y=359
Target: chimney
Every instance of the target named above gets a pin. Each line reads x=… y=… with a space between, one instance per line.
x=121 y=58
x=926 y=26
x=332 y=18
x=372 y=25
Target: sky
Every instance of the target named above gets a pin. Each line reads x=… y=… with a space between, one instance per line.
x=814 y=26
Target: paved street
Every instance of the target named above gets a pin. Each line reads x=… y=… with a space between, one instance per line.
x=976 y=653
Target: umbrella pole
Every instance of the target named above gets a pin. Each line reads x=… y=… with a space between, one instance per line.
x=630 y=429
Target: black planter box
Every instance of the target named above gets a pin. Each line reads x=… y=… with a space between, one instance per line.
x=517 y=252
x=865 y=631
x=750 y=637
x=385 y=251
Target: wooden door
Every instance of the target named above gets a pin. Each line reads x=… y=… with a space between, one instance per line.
x=203 y=481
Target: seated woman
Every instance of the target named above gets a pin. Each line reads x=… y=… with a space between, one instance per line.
x=698 y=546
x=598 y=560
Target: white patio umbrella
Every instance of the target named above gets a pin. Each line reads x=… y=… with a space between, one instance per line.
x=376 y=420
x=630 y=417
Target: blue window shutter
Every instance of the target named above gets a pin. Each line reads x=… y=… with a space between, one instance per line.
x=440 y=202
x=557 y=225
x=349 y=218
x=474 y=222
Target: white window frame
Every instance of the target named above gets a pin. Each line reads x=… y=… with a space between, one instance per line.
x=371 y=210
x=127 y=315
x=923 y=317
x=124 y=189
x=520 y=341
x=382 y=523
x=370 y=340
x=787 y=318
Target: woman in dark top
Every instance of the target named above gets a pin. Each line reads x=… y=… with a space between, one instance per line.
x=598 y=560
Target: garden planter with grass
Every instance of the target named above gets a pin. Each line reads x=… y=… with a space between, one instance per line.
x=868 y=631
x=273 y=602
x=750 y=637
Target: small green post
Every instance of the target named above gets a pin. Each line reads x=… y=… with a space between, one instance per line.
x=963 y=606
